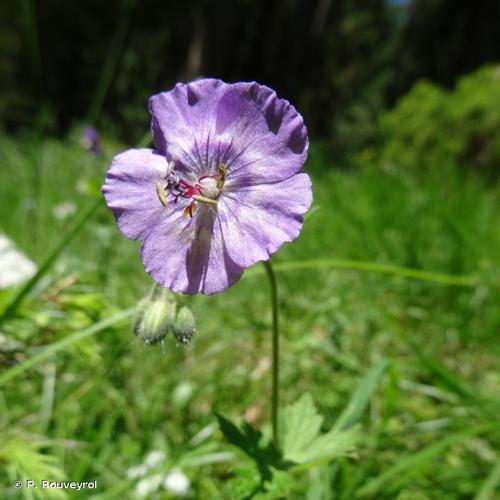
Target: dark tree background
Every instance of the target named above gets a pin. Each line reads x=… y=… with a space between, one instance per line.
x=339 y=61
x=447 y=38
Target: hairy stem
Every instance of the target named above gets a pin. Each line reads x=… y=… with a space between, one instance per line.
x=275 y=358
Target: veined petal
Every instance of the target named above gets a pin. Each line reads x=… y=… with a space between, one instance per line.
x=190 y=255
x=130 y=190
x=261 y=138
x=183 y=120
x=259 y=219
x=267 y=134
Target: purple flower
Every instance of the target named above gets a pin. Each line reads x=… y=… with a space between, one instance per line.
x=221 y=190
x=90 y=140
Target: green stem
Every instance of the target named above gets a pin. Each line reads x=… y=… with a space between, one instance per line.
x=275 y=359
x=375 y=267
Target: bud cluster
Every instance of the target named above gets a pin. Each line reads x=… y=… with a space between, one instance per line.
x=159 y=314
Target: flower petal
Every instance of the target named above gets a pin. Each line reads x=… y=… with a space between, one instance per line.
x=190 y=255
x=262 y=137
x=130 y=191
x=183 y=120
x=267 y=133
x=257 y=220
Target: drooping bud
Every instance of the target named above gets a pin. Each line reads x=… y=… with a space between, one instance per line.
x=153 y=319
x=184 y=326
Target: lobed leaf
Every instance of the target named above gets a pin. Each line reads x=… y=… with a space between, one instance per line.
x=300 y=425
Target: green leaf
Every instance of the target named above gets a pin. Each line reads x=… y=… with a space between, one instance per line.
x=246 y=479
x=248 y=484
x=279 y=487
x=255 y=445
x=333 y=444
x=300 y=425
x=265 y=475
x=247 y=439
x=302 y=442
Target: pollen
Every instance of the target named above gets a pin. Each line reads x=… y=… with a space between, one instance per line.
x=222 y=176
x=160 y=191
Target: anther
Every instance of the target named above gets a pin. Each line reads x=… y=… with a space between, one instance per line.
x=160 y=191
x=222 y=176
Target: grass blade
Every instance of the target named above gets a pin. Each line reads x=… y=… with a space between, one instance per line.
x=49 y=261
x=361 y=397
x=406 y=467
x=489 y=487
x=451 y=382
x=61 y=344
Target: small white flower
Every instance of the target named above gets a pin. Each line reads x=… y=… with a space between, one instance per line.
x=148 y=485
x=15 y=267
x=176 y=482
x=154 y=458
x=136 y=471
x=182 y=393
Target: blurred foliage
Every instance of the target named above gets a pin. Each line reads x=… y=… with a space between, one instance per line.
x=340 y=63
x=82 y=398
x=430 y=125
x=321 y=55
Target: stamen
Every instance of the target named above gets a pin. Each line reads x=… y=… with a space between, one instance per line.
x=205 y=190
x=222 y=176
x=169 y=169
x=198 y=197
x=189 y=210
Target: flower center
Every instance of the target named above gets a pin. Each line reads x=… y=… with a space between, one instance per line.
x=206 y=189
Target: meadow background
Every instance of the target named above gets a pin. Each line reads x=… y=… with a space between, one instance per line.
x=389 y=298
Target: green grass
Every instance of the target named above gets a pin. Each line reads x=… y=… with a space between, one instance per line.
x=401 y=265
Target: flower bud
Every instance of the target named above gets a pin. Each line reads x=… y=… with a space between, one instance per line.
x=153 y=319
x=184 y=326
